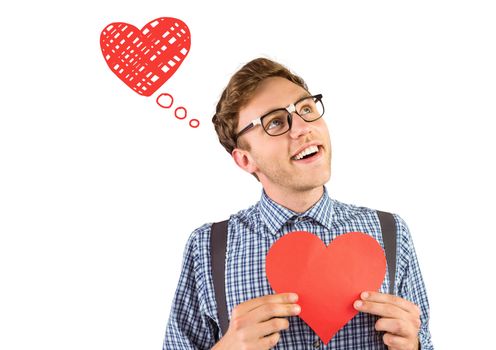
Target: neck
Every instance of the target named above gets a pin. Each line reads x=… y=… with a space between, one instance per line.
x=297 y=201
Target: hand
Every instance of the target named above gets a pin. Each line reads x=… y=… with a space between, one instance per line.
x=400 y=319
x=256 y=323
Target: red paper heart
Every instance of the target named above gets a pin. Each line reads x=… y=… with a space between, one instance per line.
x=327 y=279
x=145 y=59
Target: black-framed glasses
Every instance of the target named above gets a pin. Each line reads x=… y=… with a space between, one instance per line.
x=279 y=121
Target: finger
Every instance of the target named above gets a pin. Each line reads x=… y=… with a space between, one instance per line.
x=274 y=325
x=256 y=331
x=396 y=342
x=267 y=311
x=390 y=299
x=380 y=309
x=397 y=327
x=269 y=341
x=247 y=306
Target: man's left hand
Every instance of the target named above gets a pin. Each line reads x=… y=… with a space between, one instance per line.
x=400 y=319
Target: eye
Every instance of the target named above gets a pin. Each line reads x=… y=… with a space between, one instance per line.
x=275 y=123
x=306 y=110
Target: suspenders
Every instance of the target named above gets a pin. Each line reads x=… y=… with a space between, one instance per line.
x=388 y=228
x=218 y=244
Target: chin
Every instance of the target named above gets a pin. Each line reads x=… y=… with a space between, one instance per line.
x=324 y=176
x=311 y=185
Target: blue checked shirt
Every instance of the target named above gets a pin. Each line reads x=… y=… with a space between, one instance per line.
x=193 y=322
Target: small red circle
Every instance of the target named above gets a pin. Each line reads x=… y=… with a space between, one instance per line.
x=171 y=100
x=185 y=112
x=194 y=120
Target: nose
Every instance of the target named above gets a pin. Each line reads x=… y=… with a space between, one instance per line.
x=299 y=127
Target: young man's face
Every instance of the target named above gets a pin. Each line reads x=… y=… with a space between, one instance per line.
x=272 y=157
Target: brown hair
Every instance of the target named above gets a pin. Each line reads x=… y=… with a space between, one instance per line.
x=239 y=91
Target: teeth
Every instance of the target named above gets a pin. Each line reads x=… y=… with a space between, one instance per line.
x=306 y=151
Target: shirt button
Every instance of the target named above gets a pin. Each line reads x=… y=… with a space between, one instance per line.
x=316 y=344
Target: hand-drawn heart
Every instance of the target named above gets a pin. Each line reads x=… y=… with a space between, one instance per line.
x=327 y=279
x=145 y=59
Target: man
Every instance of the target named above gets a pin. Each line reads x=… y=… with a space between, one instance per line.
x=273 y=128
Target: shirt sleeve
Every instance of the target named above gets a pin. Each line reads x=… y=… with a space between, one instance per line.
x=189 y=327
x=410 y=283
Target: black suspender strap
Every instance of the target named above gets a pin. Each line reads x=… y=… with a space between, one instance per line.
x=388 y=228
x=218 y=245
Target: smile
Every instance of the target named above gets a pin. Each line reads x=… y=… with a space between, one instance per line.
x=308 y=154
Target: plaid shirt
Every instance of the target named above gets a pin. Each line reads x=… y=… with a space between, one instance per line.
x=193 y=322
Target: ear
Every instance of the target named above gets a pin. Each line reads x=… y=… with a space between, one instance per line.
x=244 y=160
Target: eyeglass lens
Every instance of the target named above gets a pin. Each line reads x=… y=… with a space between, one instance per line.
x=277 y=122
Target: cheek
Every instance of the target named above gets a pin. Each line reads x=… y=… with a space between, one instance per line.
x=277 y=150
x=324 y=130
x=270 y=153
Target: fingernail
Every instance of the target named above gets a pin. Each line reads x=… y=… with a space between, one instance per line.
x=296 y=309
x=358 y=304
x=365 y=295
x=293 y=297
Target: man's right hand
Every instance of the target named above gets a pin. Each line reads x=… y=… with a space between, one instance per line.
x=256 y=323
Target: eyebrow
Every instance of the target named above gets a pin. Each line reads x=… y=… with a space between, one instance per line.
x=306 y=94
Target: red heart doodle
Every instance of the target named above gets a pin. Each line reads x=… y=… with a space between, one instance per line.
x=327 y=279
x=145 y=59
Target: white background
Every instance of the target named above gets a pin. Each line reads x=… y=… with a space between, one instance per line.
x=100 y=188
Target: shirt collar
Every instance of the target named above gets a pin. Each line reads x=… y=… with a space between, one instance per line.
x=275 y=215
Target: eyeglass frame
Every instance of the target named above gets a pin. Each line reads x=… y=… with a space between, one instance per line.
x=291 y=108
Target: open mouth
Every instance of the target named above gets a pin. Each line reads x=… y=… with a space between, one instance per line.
x=308 y=154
